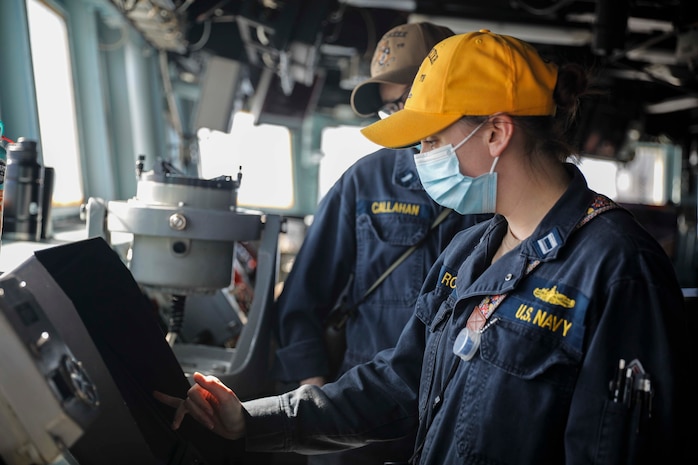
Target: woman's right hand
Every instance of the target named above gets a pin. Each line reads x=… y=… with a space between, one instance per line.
x=212 y=404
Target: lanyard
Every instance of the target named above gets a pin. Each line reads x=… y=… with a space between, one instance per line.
x=442 y=216
x=489 y=304
x=342 y=311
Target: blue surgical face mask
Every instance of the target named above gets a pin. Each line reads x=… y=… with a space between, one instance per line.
x=440 y=174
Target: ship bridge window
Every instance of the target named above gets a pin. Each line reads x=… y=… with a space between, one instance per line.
x=341 y=147
x=651 y=177
x=264 y=153
x=55 y=98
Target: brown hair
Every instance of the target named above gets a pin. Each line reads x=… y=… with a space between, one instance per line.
x=551 y=135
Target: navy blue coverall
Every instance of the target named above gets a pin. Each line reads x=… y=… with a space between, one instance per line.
x=538 y=389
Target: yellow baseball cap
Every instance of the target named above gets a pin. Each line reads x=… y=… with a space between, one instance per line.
x=474 y=74
x=396 y=60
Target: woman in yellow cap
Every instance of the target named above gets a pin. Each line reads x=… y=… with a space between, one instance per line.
x=553 y=333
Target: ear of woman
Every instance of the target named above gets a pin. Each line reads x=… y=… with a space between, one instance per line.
x=500 y=132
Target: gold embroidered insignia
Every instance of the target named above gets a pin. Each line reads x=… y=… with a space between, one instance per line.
x=551 y=296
